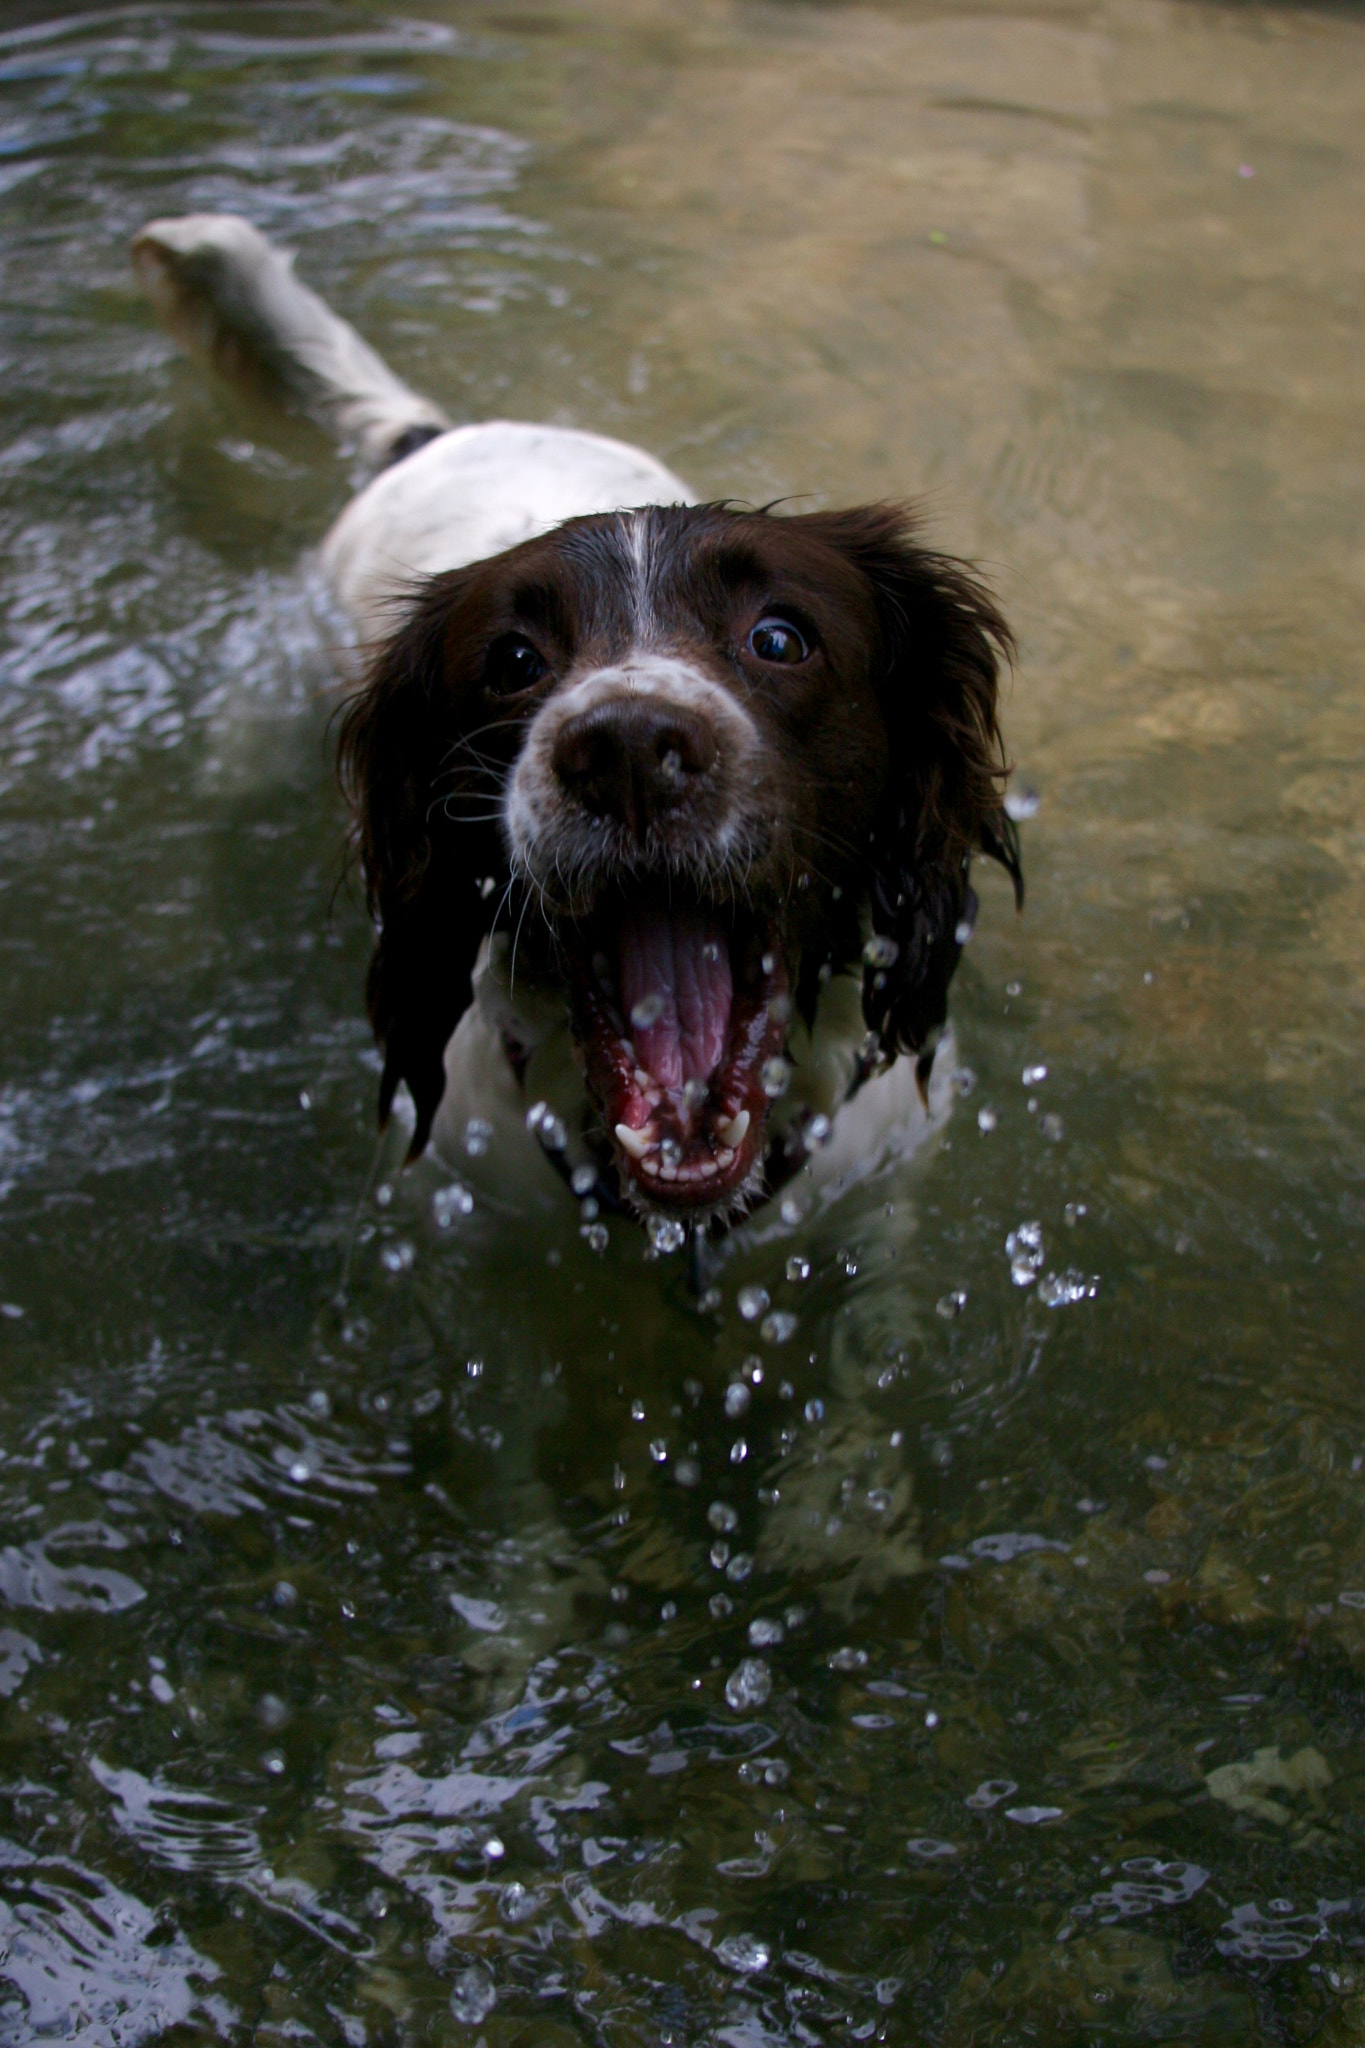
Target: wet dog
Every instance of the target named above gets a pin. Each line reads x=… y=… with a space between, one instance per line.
x=665 y=810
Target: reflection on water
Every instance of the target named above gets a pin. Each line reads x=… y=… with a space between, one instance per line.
x=955 y=1632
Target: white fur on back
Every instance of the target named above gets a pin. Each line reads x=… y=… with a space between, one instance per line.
x=472 y=493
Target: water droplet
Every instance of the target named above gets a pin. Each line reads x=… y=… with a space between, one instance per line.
x=763 y=1634
x=776 y=1073
x=710 y=952
x=284 y=1594
x=1024 y=1247
x=1014 y=988
x=1031 y=1076
x=752 y=1369
x=687 y=1472
x=658 y=1450
x=478 y=1133
x=495 y=1848
x=881 y=951
x=449 y=1202
x=739 y=1568
x=273 y=1763
x=596 y=1236
x=1052 y=1128
x=990 y=1792
x=791 y=1211
x=751 y=1302
x=722 y=1517
x=472 y=1996
x=848 y=1659
x=516 y=1903
x=951 y=1305
x=719 y=1605
x=647 y=1011
x=300 y=1471
x=398 y=1258
x=964 y=1080
x=583 y=1179
x=814 y=1410
x=737 y=1399
x=986 y=1119
x=744 y=1953
x=1031 y=1816
x=305 y=1099
x=779 y=1327
x=739 y=1451
x=1021 y=804
x=1059 y=1290
x=473 y=1368
x=798 y=1269
x=749 y=1684
x=383 y=1195
x=637 y=1411
x=929 y=1848
x=816 y=1132
x=666 y=1235
x=669 y=1611
x=670 y=1152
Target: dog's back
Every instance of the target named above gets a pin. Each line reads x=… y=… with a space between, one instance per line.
x=443 y=495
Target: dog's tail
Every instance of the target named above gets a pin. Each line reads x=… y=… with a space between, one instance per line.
x=232 y=301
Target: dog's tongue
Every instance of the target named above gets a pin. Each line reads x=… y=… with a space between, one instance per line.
x=676 y=992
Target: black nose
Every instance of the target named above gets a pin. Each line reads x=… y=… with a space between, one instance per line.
x=633 y=759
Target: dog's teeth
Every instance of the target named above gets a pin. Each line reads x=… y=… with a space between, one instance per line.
x=637 y=1143
x=734 y=1133
x=724 y=1158
x=650 y=1165
x=668 y=1173
x=708 y=1167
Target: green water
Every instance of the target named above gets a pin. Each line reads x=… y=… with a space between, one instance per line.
x=364 y=1666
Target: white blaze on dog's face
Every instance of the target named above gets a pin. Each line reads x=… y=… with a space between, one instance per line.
x=691 y=750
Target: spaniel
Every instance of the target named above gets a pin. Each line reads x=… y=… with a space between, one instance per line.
x=665 y=810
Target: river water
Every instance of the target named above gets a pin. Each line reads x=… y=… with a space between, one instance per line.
x=962 y=1645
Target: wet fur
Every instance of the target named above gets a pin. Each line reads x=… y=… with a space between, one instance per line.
x=913 y=664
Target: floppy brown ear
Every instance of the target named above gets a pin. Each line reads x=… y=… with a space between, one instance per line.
x=426 y=863
x=942 y=641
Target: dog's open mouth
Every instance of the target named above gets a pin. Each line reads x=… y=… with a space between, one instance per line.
x=680 y=1014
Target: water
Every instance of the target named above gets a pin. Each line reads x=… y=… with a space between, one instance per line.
x=366 y=1672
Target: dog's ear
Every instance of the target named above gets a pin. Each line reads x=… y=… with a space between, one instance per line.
x=943 y=638
x=426 y=863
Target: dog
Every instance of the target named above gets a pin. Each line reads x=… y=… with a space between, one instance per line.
x=665 y=810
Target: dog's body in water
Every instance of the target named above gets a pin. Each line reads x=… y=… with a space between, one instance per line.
x=665 y=811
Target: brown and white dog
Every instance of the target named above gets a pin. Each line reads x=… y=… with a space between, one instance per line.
x=665 y=810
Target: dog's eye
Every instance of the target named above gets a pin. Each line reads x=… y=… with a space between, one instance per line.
x=513 y=664
x=777 y=640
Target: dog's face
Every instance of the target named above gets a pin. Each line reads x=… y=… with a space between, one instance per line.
x=695 y=757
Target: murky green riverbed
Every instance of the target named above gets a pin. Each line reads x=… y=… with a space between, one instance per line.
x=376 y=1673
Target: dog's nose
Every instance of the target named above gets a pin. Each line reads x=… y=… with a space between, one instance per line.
x=634 y=759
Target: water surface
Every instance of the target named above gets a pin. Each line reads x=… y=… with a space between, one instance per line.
x=377 y=1672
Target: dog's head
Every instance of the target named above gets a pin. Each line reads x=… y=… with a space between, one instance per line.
x=699 y=760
